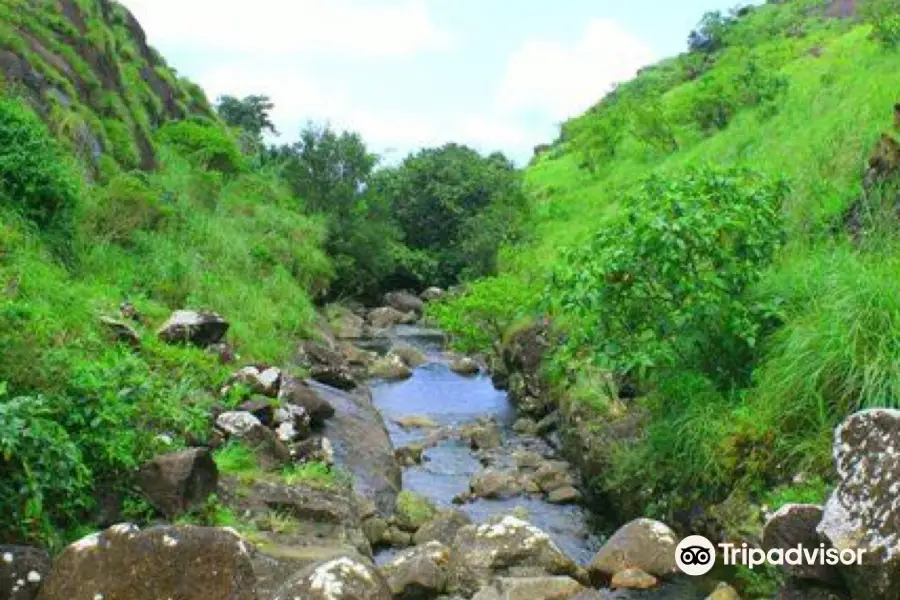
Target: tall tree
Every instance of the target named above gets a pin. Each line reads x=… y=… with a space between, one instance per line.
x=252 y=115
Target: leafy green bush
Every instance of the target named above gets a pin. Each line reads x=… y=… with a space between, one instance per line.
x=126 y=205
x=885 y=18
x=35 y=177
x=665 y=284
x=205 y=144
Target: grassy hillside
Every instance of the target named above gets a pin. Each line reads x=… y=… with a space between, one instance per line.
x=743 y=373
x=118 y=184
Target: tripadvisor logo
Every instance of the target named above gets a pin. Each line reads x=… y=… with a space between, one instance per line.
x=696 y=555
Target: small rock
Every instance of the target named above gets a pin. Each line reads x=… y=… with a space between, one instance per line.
x=191 y=327
x=385 y=317
x=465 y=366
x=122 y=332
x=565 y=495
x=416 y=422
x=409 y=456
x=315 y=449
x=225 y=352
x=527 y=460
x=260 y=407
x=431 y=294
x=421 y=572
x=443 y=527
x=482 y=436
x=405 y=302
x=237 y=423
x=260 y=381
x=296 y=393
x=395 y=537
x=633 y=579
x=554 y=475
x=644 y=544
x=532 y=588
x=175 y=483
x=287 y=433
x=375 y=529
x=390 y=367
x=22 y=570
x=336 y=376
x=412 y=511
x=525 y=426
x=494 y=485
x=724 y=592
x=411 y=357
x=343 y=578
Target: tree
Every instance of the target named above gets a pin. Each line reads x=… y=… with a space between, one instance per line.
x=710 y=33
x=252 y=115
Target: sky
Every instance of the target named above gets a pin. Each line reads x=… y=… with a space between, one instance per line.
x=408 y=74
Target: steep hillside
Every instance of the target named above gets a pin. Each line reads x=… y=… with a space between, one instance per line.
x=87 y=68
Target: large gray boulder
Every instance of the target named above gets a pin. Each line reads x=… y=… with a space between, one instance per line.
x=863 y=513
x=642 y=544
x=419 y=573
x=387 y=316
x=296 y=392
x=192 y=327
x=507 y=546
x=22 y=571
x=342 y=578
x=124 y=563
x=404 y=302
x=443 y=527
x=793 y=525
x=177 y=482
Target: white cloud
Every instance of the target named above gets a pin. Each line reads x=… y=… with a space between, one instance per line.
x=561 y=80
x=354 y=28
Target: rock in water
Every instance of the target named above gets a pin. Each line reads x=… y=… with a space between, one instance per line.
x=421 y=572
x=175 y=483
x=507 y=546
x=465 y=366
x=494 y=485
x=391 y=368
x=22 y=571
x=863 y=513
x=124 y=563
x=412 y=511
x=793 y=525
x=198 y=328
x=342 y=578
x=643 y=544
x=633 y=579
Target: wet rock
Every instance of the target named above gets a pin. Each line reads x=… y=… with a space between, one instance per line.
x=22 y=571
x=531 y=588
x=793 y=525
x=494 y=485
x=264 y=381
x=297 y=393
x=416 y=422
x=191 y=327
x=483 y=435
x=505 y=547
x=633 y=579
x=465 y=366
x=863 y=513
x=553 y=475
x=527 y=460
x=419 y=573
x=121 y=332
x=175 y=483
x=525 y=426
x=565 y=495
x=386 y=316
x=412 y=357
x=644 y=544
x=390 y=367
x=443 y=527
x=124 y=563
x=724 y=592
x=431 y=294
x=412 y=511
x=405 y=302
x=342 y=578
x=409 y=456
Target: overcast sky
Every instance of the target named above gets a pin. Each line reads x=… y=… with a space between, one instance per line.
x=413 y=73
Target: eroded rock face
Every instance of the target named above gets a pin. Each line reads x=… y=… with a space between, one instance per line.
x=341 y=578
x=419 y=573
x=22 y=571
x=505 y=547
x=793 y=525
x=175 y=483
x=863 y=513
x=191 y=327
x=643 y=544
x=124 y=563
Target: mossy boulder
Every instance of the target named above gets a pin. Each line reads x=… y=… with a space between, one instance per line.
x=412 y=511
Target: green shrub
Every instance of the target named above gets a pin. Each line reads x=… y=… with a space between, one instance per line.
x=885 y=18
x=205 y=144
x=665 y=284
x=122 y=143
x=35 y=178
x=127 y=204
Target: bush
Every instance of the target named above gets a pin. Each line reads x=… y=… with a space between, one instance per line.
x=665 y=284
x=127 y=204
x=205 y=144
x=35 y=178
x=885 y=18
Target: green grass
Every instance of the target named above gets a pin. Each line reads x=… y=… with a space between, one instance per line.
x=314 y=474
x=237 y=459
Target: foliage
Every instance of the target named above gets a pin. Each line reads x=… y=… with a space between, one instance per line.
x=203 y=143
x=711 y=32
x=251 y=114
x=315 y=474
x=885 y=18
x=664 y=284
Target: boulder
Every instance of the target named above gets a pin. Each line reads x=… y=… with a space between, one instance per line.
x=175 y=483
x=121 y=332
x=483 y=435
x=431 y=294
x=793 y=525
x=531 y=588
x=345 y=324
x=409 y=456
x=356 y=356
x=465 y=366
x=262 y=408
x=390 y=367
x=326 y=365
x=124 y=563
x=237 y=423
x=412 y=357
x=386 y=316
x=565 y=495
x=862 y=514
x=336 y=376
x=201 y=329
x=494 y=485
x=633 y=579
x=295 y=392
x=22 y=571
x=270 y=451
x=507 y=546
x=294 y=415
x=412 y=511
x=527 y=460
x=395 y=537
x=724 y=591
x=553 y=475
x=375 y=529
x=548 y=424
x=264 y=381
x=419 y=573
x=443 y=527
x=405 y=302
x=643 y=544
x=342 y=578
